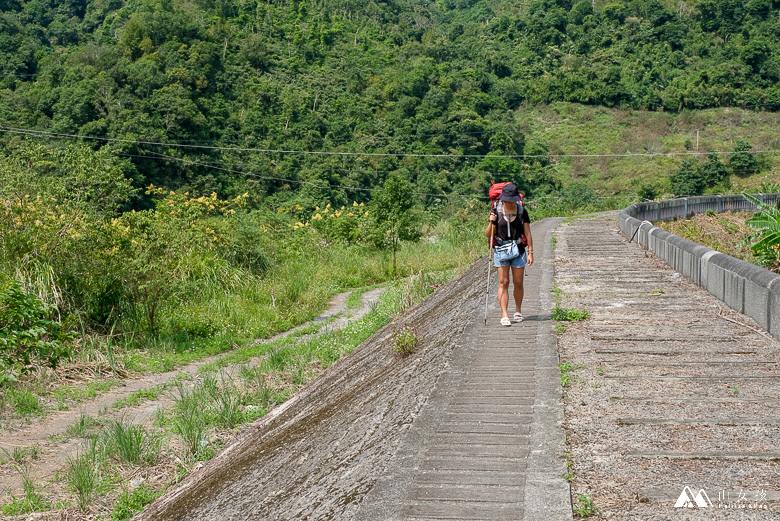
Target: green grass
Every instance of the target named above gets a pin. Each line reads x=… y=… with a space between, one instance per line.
x=138 y=397
x=569 y=314
x=20 y=455
x=77 y=394
x=32 y=501
x=130 y=444
x=82 y=427
x=189 y=419
x=83 y=475
x=26 y=403
x=214 y=401
x=245 y=311
x=133 y=501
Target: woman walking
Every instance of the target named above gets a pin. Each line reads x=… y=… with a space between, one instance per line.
x=508 y=223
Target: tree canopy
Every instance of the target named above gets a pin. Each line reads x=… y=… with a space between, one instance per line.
x=382 y=77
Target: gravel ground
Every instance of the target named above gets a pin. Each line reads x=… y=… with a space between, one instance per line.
x=671 y=389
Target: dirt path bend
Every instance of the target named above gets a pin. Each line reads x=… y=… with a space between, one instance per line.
x=468 y=425
x=43 y=432
x=671 y=392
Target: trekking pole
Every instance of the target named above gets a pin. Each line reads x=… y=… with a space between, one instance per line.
x=487 y=289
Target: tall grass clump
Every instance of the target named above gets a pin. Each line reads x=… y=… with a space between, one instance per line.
x=131 y=444
x=189 y=419
x=83 y=474
x=224 y=400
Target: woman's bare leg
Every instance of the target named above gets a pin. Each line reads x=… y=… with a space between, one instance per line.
x=503 y=289
x=517 y=279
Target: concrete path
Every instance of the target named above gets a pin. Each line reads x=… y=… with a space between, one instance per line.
x=488 y=443
x=468 y=427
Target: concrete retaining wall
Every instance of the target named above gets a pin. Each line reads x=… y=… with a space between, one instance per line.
x=744 y=287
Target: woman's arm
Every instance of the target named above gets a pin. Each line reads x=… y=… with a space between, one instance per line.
x=530 y=247
x=490 y=230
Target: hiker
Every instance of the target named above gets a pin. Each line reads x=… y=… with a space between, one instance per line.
x=507 y=226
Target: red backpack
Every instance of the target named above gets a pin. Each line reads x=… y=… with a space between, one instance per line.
x=494 y=193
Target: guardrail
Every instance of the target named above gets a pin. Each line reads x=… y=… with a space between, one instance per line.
x=744 y=287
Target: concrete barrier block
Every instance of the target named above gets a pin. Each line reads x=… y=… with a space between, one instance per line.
x=705 y=259
x=757 y=284
x=630 y=225
x=757 y=303
x=715 y=280
x=735 y=273
x=734 y=291
x=774 y=310
x=687 y=256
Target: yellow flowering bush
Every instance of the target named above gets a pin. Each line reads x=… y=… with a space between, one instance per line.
x=342 y=225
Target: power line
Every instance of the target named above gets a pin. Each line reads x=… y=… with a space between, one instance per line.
x=300 y=181
x=54 y=135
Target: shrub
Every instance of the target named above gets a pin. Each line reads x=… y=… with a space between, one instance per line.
x=27 y=332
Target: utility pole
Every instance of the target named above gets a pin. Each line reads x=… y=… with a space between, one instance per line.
x=697 y=141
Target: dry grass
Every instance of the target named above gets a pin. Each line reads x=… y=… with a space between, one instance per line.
x=721 y=232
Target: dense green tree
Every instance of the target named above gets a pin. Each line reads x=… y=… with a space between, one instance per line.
x=743 y=163
x=394 y=214
x=687 y=179
x=713 y=171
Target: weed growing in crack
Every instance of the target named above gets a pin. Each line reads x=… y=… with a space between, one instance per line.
x=566 y=368
x=569 y=314
x=404 y=340
x=585 y=507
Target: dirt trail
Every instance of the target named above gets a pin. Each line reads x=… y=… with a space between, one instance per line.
x=44 y=431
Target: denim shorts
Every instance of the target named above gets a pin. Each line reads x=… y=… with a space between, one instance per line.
x=517 y=262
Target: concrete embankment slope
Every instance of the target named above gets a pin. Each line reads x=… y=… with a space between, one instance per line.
x=468 y=427
x=671 y=388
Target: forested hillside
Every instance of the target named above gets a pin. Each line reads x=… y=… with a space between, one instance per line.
x=353 y=76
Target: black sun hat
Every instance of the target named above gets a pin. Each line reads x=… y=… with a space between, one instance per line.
x=510 y=194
